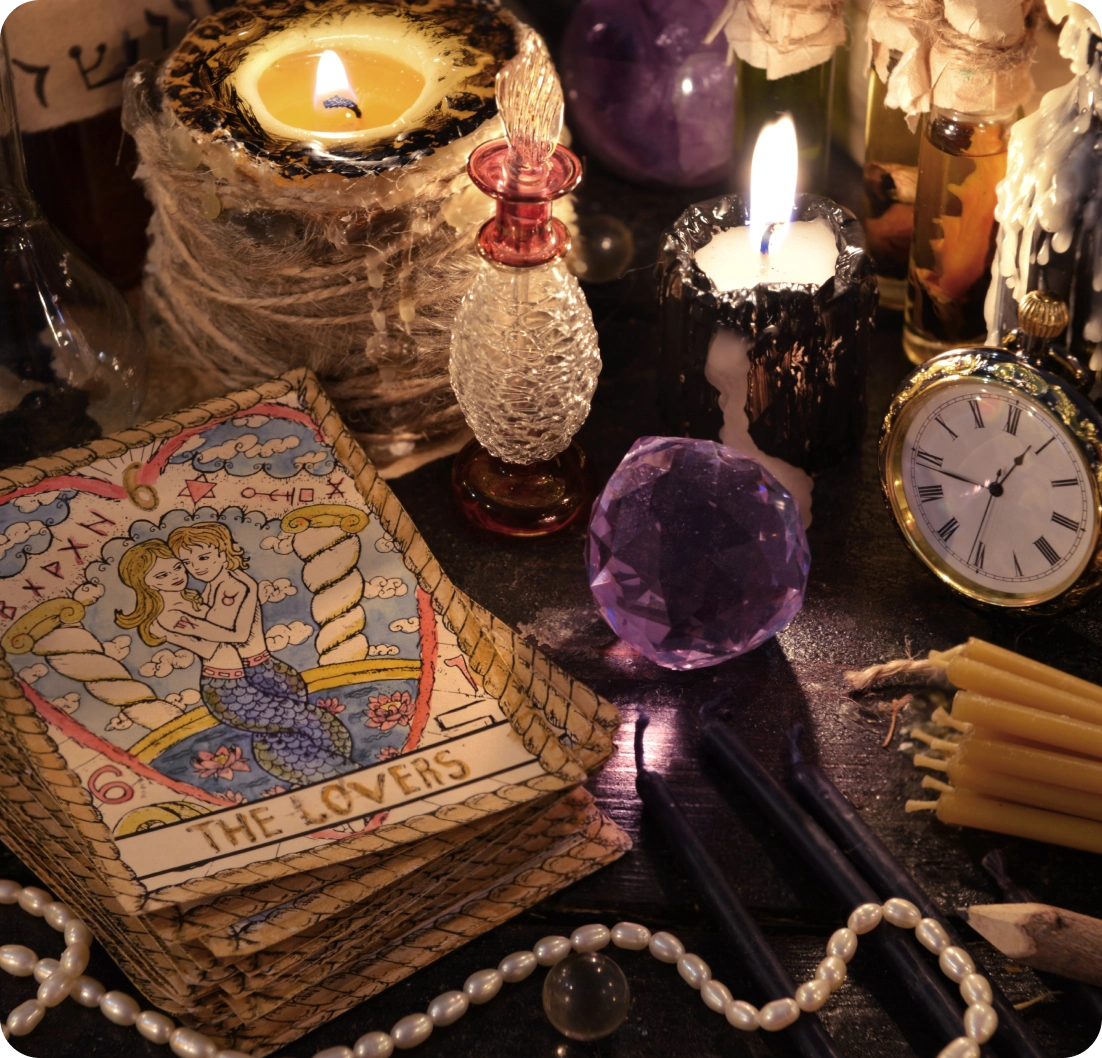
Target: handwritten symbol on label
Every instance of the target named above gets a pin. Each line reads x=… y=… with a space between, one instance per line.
x=184 y=622
x=112 y=792
x=229 y=600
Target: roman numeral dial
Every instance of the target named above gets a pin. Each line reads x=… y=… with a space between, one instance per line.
x=1000 y=497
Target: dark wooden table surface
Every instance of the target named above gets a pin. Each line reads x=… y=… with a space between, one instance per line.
x=868 y=600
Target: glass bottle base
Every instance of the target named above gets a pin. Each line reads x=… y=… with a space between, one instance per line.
x=893 y=293
x=919 y=349
x=516 y=500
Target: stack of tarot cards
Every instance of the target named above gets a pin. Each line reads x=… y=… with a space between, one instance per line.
x=252 y=734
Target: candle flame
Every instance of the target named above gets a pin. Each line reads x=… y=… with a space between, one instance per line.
x=332 y=87
x=773 y=179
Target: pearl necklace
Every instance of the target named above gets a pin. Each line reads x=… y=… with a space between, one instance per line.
x=64 y=978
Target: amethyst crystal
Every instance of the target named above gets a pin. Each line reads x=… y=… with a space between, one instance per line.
x=649 y=98
x=696 y=553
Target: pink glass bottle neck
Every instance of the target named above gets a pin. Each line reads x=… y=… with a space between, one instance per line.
x=523 y=233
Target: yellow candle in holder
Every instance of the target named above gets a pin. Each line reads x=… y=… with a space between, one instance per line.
x=339 y=90
x=987 y=680
x=1042 y=765
x=965 y=776
x=1036 y=725
x=1021 y=821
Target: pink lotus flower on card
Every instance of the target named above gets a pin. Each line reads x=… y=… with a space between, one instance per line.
x=389 y=753
x=330 y=705
x=234 y=797
x=385 y=711
x=275 y=791
x=221 y=764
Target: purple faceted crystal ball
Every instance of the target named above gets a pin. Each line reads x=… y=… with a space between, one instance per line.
x=649 y=97
x=696 y=553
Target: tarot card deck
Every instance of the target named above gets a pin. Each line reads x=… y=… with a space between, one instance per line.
x=251 y=732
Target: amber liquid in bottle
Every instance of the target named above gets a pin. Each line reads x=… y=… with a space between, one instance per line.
x=890 y=181
x=962 y=158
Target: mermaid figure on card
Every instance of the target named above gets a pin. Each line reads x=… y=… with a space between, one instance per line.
x=242 y=685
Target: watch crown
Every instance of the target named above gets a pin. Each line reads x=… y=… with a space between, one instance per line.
x=1042 y=315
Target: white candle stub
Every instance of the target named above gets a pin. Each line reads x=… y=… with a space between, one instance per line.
x=804 y=251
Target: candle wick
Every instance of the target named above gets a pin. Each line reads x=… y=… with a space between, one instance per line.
x=641 y=725
x=333 y=102
x=766 y=236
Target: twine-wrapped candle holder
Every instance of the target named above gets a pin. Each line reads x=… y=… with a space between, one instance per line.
x=348 y=256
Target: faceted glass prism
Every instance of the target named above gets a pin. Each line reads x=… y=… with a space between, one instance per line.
x=696 y=553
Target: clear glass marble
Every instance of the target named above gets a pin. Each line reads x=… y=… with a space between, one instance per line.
x=586 y=996
x=524 y=360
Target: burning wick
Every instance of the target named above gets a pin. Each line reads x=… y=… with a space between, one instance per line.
x=331 y=88
x=340 y=101
x=766 y=236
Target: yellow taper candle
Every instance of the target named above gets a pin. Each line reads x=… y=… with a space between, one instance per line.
x=1042 y=765
x=1021 y=821
x=971 y=675
x=1027 y=668
x=1014 y=788
x=1033 y=724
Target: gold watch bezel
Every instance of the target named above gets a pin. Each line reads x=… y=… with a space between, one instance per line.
x=1081 y=425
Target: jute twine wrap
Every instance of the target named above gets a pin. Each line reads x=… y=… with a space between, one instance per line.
x=250 y=274
x=962 y=55
x=782 y=37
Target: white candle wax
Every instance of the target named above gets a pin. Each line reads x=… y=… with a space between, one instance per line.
x=804 y=251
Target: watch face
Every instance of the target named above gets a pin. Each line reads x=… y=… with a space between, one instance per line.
x=993 y=492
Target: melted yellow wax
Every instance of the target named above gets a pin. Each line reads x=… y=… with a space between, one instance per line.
x=384 y=89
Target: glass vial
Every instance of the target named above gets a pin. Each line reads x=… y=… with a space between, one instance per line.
x=72 y=360
x=890 y=181
x=962 y=158
x=808 y=97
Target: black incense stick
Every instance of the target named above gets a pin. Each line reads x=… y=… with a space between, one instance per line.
x=995 y=865
x=917 y=978
x=807 y=1033
x=858 y=841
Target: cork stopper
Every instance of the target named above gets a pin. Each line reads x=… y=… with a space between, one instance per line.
x=1042 y=315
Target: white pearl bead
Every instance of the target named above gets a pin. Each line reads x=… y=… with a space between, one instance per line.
x=902 y=913
x=379 y=1044
x=980 y=1022
x=119 y=1008
x=693 y=969
x=865 y=918
x=548 y=952
x=45 y=968
x=931 y=935
x=87 y=991
x=17 y=960
x=231 y=1054
x=34 y=901
x=55 y=989
x=483 y=985
x=187 y=1043
x=448 y=1008
x=778 y=1014
x=335 y=1052
x=516 y=967
x=414 y=1029
x=665 y=947
x=155 y=1026
x=9 y=891
x=25 y=1017
x=843 y=943
x=76 y=932
x=961 y=1047
x=591 y=938
x=630 y=935
x=716 y=995
x=833 y=971
x=56 y=915
x=74 y=959
x=742 y=1015
x=956 y=963
x=811 y=995
x=975 y=988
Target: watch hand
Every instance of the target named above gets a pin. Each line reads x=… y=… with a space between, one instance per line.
x=1017 y=463
x=950 y=474
x=982 y=525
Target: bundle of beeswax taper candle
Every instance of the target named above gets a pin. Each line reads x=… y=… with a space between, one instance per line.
x=1025 y=754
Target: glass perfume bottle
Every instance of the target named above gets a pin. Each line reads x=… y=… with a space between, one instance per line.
x=72 y=360
x=962 y=158
x=808 y=97
x=890 y=181
x=524 y=356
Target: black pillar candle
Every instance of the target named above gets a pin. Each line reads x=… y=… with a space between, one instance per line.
x=916 y=977
x=807 y=1033
x=806 y=347
x=858 y=841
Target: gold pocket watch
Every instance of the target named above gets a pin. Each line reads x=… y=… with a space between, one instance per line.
x=992 y=466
